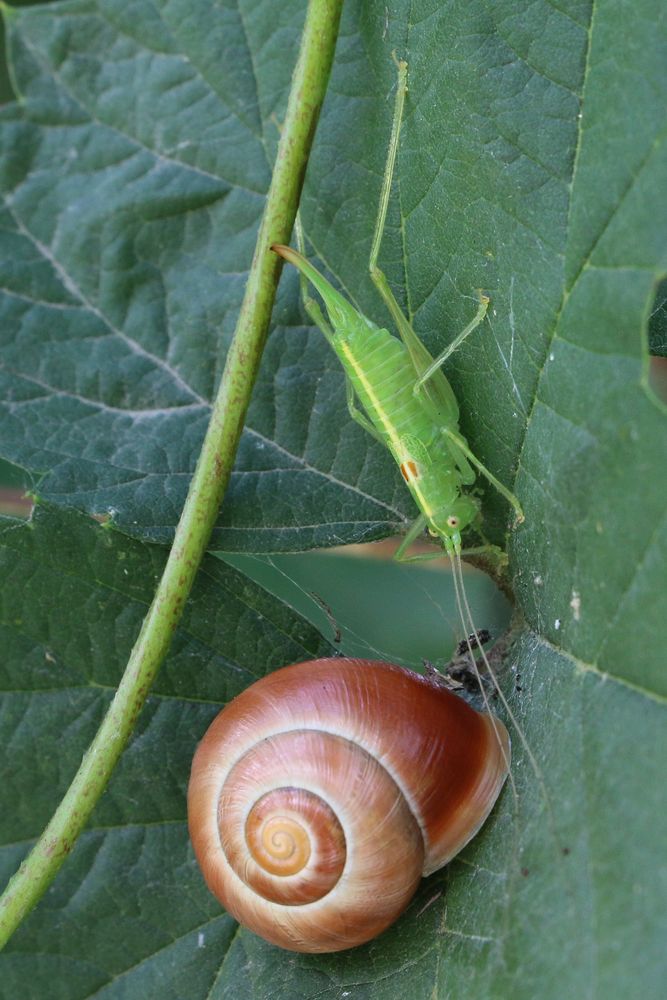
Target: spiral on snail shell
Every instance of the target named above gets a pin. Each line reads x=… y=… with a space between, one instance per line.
x=320 y=796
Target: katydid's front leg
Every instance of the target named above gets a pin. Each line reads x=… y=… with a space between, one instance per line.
x=416 y=529
x=477 y=550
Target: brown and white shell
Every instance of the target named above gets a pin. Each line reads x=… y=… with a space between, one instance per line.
x=322 y=794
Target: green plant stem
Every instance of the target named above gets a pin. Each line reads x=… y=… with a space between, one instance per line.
x=209 y=481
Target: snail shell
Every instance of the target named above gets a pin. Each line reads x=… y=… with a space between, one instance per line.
x=320 y=796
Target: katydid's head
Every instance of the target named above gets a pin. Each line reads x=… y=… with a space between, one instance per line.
x=342 y=314
x=448 y=523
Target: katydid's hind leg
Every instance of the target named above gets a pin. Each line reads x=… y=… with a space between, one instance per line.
x=424 y=364
x=401 y=90
x=377 y=276
x=463 y=445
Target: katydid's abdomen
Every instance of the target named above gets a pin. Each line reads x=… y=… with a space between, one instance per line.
x=378 y=367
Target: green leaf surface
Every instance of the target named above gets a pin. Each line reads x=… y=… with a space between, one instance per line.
x=532 y=165
x=134 y=178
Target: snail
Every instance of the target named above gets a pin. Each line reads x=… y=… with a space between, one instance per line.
x=322 y=794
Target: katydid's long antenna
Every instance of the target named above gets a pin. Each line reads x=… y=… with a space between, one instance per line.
x=459 y=590
x=461 y=599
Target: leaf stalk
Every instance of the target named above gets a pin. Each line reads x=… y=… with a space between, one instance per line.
x=210 y=479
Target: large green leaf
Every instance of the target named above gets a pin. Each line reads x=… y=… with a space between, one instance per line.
x=532 y=164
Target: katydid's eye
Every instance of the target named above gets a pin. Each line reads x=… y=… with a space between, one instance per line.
x=432 y=533
x=453 y=521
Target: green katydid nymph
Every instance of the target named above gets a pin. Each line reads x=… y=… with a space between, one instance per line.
x=408 y=407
